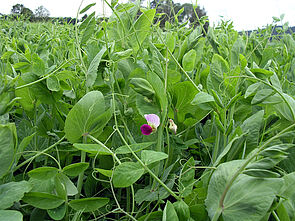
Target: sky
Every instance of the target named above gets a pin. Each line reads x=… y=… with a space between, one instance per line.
x=245 y=14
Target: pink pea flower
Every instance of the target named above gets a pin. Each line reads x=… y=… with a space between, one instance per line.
x=153 y=121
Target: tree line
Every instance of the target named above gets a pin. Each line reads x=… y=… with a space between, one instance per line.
x=168 y=11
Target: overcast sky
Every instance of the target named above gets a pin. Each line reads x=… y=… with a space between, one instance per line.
x=245 y=14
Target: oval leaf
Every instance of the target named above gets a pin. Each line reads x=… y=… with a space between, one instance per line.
x=75 y=169
x=43 y=200
x=92 y=148
x=85 y=117
x=88 y=204
x=11 y=215
x=13 y=192
x=87 y=7
x=57 y=213
x=127 y=173
x=189 y=59
x=43 y=173
x=150 y=156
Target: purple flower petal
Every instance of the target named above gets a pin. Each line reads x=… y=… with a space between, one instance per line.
x=146 y=129
x=152 y=119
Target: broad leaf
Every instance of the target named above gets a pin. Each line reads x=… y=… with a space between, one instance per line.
x=13 y=192
x=7 y=147
x=88 y=116
x=43 y=173
x=126 y=174
x=86 y=8
x=43 y=200
x=75 y=169
x=142 y=27
x=57 y=213
x=188 y=60
x=247 y=194
x=11 y=215
x=92 y=69
x=169 y=213
x=89 y=204
x=150 y=156
x=182 y=210
x=53 y=83
x=92 y=148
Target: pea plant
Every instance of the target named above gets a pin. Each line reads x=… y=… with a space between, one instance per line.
x=121 y=119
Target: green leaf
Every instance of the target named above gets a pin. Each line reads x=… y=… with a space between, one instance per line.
x=243 y=61
x=38 y=65
x=135 y=147
x=75 y=169
x=88 y=204
x=150 y=156
x=201 y=98
x=21 y=65
x=189 y=59
x=53 y=83
x=11 y=215
x=146 y=106
x=287 y=190
x=247 y=194
x=84 y=24
x=7 y=147
x=187 y=178
x=122 y=54
x=85 y=9
x=252 y=125
x=217 y=99
x=126 y=174
x=67 y=184
x=154 y=216
x=276 y=150
x=88 y=116
x=142 y=28
x=142 y=87
x=13 y=192
x=28 y=97
x=107 y=173
x=92 y=69
x=183 y=93
x=158 y=86
x=23 y=144
x=261 y=173
x=237 y=50
x=89 y=30
x=218 y=68
x=286 y=111
x=261 y=95
x=182 y=210
x=57 y=213
x=43 y=200
x=252 y=89
x=173 y=76
x=43 y=173
x=169 y=213
x=170 y=41
x=92 y=148
x=261 y=73
x=282 y=212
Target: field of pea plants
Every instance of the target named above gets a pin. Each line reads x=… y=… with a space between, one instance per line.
x=119 y=119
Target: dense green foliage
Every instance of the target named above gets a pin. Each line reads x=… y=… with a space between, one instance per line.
x=73 y=99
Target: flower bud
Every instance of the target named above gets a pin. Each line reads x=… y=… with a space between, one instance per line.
x=172 y=126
